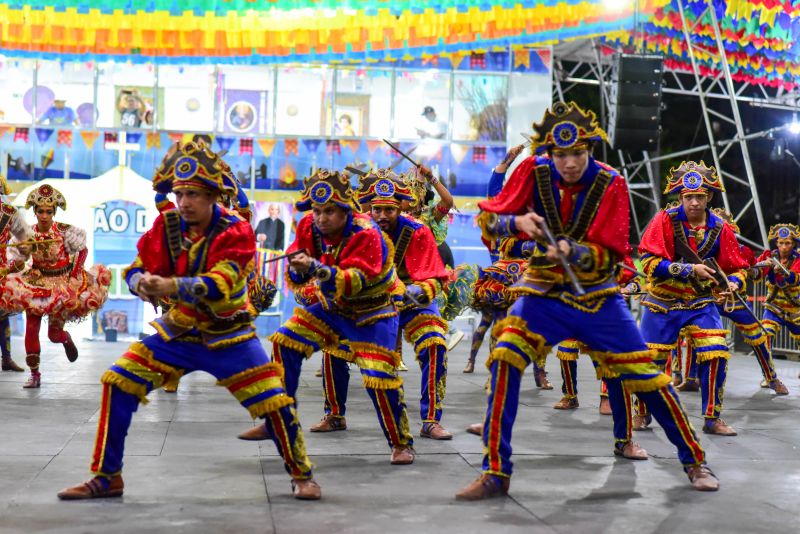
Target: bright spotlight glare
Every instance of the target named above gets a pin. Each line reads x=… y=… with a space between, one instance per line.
x=794 y=127
x=616 y=5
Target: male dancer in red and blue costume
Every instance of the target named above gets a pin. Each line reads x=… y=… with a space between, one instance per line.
x=508 y=256
x=745 y=322
x=343 y=256
x=680 y=292
x=782 y=306
x=586 y=205
x=419 y=266
x=197 y=256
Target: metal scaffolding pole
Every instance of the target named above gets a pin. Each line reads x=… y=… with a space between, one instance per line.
x=739 y=128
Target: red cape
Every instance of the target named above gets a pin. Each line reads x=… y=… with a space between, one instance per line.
x=363 y=251
x=659 y=240
x=422 y=259
x=610 y=227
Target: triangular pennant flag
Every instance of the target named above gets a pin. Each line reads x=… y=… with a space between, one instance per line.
x=311 y=144
x=133 y=137
x=153 y=140
x=109 y=137
x=458 y=152
x=372 y=146
x=89 y=138
x=290 y=146
x=352 y=144
x=4 y=129
x=498 y=153
x=64 y=137
x=333 y=146
x=267 y=146
x=175 y=137
x=43 y=134
x=225 y=143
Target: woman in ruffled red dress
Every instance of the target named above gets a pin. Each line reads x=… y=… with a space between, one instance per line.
x=56 y=285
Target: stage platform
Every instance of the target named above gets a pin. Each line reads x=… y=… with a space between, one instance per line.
x=186 y=471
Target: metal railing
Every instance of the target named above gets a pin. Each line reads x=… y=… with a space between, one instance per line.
x=782 y=343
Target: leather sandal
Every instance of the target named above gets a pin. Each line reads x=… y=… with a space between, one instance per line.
x=778 y=387
x=329 y=423
x=96 y=488
x=11 y=365
x=257 y=433
x=605 y=406
x=403 y=455
x=470 y=367
x=540 y=377
x=475 y=428
x=690 y=384
x=642 y=422
x=306 y=489
x=435 y=431
x=702 y=478
x=566 y=403
x=485 y=487
x=718 y=427
x=631 y=451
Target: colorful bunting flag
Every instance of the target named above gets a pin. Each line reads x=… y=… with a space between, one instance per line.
x=225 y=143
x=21 y=134
x=153 y=140
x=245 y=146
x=109 y=137
x=311 y=145
x=458 y=152
x=89 y=138
x=333 y=146
x=372 y=146
x=64 y=137
x=290 y=146
x=267 y=146
x=479 y=154
x=175 y=137
x=43 y=134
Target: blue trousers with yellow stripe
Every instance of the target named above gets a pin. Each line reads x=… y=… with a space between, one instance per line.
x=773 y=323
x=754 y=336
x=704 y=326
x=244 y=368
x=371 y=347
x=605 y=326
x=424 y=328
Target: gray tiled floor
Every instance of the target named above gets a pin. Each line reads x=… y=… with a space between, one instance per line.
x=186 y=472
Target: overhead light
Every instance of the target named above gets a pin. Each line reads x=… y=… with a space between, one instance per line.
x=794 y=126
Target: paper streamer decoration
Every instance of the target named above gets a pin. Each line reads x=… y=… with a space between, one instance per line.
x=303 y=31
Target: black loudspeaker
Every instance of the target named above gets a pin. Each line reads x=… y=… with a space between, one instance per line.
x=634 y=117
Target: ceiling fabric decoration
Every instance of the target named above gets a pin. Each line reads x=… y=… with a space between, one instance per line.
x=760 y=39
x=307 y=31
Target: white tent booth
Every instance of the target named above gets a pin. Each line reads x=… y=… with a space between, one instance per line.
x=114 y=208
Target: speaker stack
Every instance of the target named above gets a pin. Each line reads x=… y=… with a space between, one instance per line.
x=634 y=116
